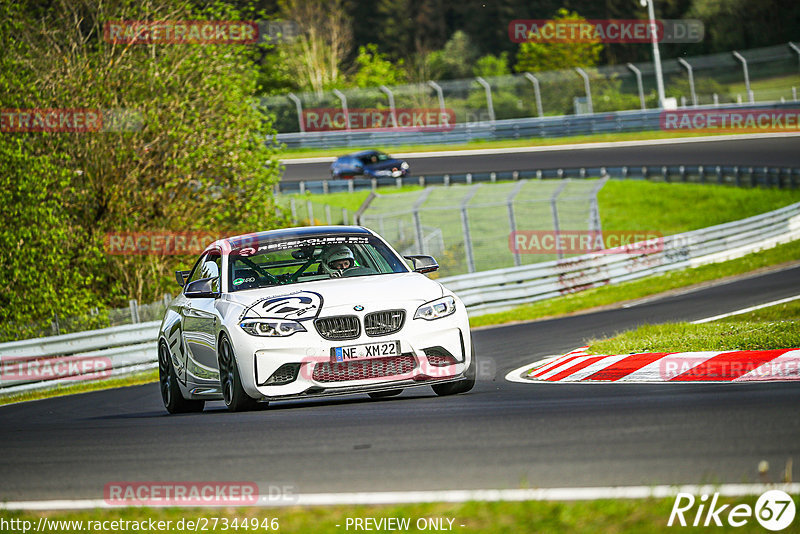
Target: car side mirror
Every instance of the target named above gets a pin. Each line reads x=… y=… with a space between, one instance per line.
x=181 y=276
x=200 y=289
x=423 y=264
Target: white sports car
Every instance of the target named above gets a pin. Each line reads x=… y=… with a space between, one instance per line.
x=309 y=312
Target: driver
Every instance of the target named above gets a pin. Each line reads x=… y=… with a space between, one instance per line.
x=337 y=259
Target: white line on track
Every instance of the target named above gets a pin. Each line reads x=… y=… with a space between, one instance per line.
x=554 y=148
x=746 y=310
x=516 y=374
x=454 y=496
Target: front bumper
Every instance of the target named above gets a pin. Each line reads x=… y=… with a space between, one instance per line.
x=431 y=352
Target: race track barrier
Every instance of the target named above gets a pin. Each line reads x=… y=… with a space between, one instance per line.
x=711 y=173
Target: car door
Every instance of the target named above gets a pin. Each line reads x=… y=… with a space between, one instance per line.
x=200 y=320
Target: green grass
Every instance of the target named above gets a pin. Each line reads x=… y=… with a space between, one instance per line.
x=82 y=387
x=767 y=88
x=590 y=517
x=776 y=327
x=510 y=143
x=672 y=208
x=651 y=285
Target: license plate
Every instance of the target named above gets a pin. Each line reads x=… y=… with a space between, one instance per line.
x=365 y=352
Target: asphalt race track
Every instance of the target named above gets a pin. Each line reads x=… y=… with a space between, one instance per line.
x=781 y=151
x=501 y=435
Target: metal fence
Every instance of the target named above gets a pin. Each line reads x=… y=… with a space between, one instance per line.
x=712 y=173
x=132 y=348
x=66 y=359
x=467 y=227
x=307 y=212
x=500 y=289
x=771 y=75
x=134 y=313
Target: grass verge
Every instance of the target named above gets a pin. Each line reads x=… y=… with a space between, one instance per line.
x=608 y=516
x=510 y=143
x=775 y=327
x=651 y=285
x=144 y=377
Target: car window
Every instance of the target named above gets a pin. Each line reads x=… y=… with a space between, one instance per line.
x=310 y=259
x=209 y=266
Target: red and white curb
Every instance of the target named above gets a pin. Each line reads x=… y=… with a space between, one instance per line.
x=727 y=366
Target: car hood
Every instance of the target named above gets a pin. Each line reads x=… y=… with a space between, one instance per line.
x=338 y=295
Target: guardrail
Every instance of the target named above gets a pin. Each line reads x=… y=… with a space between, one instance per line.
x=746 y=176
x=555 y=126
x=132 y=348
x=490 y=291
x=50 y=361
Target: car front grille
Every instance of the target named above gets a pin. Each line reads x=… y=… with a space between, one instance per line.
x=364 y=370
x=383 y=323
x=338 y=327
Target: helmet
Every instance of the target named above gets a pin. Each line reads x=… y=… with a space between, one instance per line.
x=334 y=254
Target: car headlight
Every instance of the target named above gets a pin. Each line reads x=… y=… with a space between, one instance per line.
x=271 y=327
x=404 y=165
x=436 y=309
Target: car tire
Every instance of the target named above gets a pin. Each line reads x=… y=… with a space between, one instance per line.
x=461 y=386
x=384 y=394
x=234 y=395
x=168 y=383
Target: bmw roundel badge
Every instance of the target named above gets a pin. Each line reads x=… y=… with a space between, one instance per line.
x=358 y=307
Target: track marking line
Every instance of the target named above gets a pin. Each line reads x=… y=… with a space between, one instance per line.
x=516 y=374
x=746 y=310
x=451 y=496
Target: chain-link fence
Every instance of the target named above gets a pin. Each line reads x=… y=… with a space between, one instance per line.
x=306 y=212
x=772 y=75
x=95 y=319
x=468 y=228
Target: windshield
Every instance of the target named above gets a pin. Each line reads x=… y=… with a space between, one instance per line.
x=309 y=259
x=374 y=158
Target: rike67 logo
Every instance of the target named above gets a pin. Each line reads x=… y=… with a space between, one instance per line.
x=774 y=510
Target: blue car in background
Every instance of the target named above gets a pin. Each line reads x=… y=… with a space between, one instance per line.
x=369 y=164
